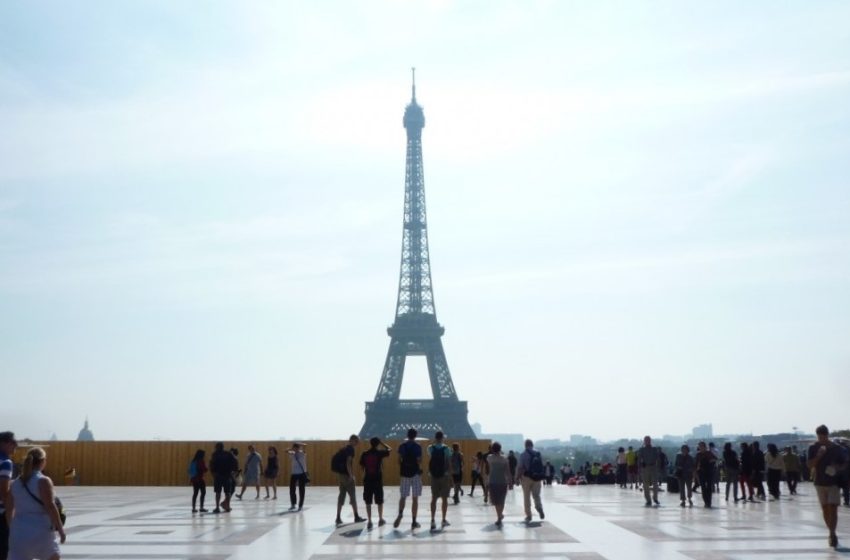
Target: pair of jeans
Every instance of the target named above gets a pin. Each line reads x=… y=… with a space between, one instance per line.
x=706 y=485
x=685 y=487
x=297 y=481
x=732 y=480
x=199 y=487
x=774 y=478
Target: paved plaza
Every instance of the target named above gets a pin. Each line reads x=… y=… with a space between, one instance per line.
x=582 y=523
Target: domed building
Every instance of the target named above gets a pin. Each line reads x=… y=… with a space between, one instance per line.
x=85 y=433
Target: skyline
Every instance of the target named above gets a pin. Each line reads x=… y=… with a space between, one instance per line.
x=637 y=214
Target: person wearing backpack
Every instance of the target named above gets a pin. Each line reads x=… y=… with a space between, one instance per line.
x=530 y=474
x=373 y=483
x=342 y=465
x=409 y=458
x=439 y=466
x=197 y=470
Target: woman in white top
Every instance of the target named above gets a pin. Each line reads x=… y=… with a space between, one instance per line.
x=499 y=480
x=32 y=513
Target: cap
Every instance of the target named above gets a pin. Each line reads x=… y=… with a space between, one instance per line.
x=8 y=437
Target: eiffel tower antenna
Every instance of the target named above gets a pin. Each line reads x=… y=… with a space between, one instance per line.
x=415 y=331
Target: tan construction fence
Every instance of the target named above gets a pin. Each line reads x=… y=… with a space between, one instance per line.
x=166 y=463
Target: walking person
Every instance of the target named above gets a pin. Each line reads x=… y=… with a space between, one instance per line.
x=8 y=444
x=373 y=483
x=632 y=467
x=251 y=472
x=197 y=470
x=271 y=471
x=439 y=464
x=410 y=470
x=622 y=469
x=484 y=472
x=512 y=462
x=457 y=473
x=222 y=464
x=647 y=458
x=476 y=473
x=32 y=513
x=827 y=460
x=732 y=468
x=343 y=465
x=685 y=466
x=759 y=466
x=746 y=471
x=792 y=469
x=706 y=465
x=235 y=477
x=499 y=481
x=775 y=465
x=530 y=474
x=298 y=477
x=718 y=461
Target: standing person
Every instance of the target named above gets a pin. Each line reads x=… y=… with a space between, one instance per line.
x=792 y=469
x=512 y=461
x=717 y=462
x=343 y=465
x=622 y=469
x=298 y=475
x=647 y=457
x=731 y=466
x=439 y=464
x=476 y=473
x=827 y=459
x=235 y=476
x=775 y=466
x=251 y=472
x=632 y=467
x=197 y=470
x=8 y=444
x=410 y=459
x=373 y=483
x=457 y=472
x=271 y=471
x=32 y=513
x=685 y=466
x=499 y=481
x=221 y=466
x=746 y=471
x=706 y=465
x=484 y=472
x=530 y=473
x=759 y=467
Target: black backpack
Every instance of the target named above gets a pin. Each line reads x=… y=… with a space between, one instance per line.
x=437 y=465
x=536 y=470
x=339 y=462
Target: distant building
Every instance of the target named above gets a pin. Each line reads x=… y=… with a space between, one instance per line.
x=703 y=431
x=85 y=433
x=509 y=442
x=578 y=440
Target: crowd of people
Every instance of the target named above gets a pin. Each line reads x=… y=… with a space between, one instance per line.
x=31 y=516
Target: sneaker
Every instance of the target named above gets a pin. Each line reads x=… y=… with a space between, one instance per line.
x=358 y=519
x=369 y=526
x=381 y=523
x=682 y=504
x=194 y=510
x=397 y=522
x=833 y=541
x=528 y=519
x=292 y=508
x=338 y=521
x=415 y=525
x=445 y=523
x=433 y=526
x=540 y=512
x=202 y=510
x=647 y=504
x=656 y=502
x=216 y=510
x=237 y=496
x=690 y=503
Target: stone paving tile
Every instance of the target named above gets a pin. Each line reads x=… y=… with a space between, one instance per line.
x=582 y=523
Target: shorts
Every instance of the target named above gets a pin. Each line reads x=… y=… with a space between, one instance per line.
x=346 y=488
x=829 y=495
x=221 y=483
x=26 y=541
x=411 y=485
x=373 y=491
x=440 y=486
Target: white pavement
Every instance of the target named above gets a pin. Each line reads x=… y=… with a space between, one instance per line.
x=582 y=523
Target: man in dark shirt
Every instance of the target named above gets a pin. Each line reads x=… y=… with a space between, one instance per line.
x=410 y=469
x=759 y=468
x=373 y=484
x=346 y=483
x=827 y=460
x=222 y=466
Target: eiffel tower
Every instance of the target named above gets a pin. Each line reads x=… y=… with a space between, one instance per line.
x=415 y=331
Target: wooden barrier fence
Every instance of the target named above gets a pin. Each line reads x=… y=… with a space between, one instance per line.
x=166 y=463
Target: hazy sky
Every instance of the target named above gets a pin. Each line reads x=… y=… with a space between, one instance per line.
x=638 y=213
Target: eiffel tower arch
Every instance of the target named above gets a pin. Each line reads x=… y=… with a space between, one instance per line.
x=415 y=331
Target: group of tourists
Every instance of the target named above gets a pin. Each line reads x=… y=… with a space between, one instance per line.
x=493 y=471
x=227 y=476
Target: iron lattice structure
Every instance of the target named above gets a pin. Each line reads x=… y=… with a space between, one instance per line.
x=415 y=331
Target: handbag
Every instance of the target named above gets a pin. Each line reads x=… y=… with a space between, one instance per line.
x=56 y=501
